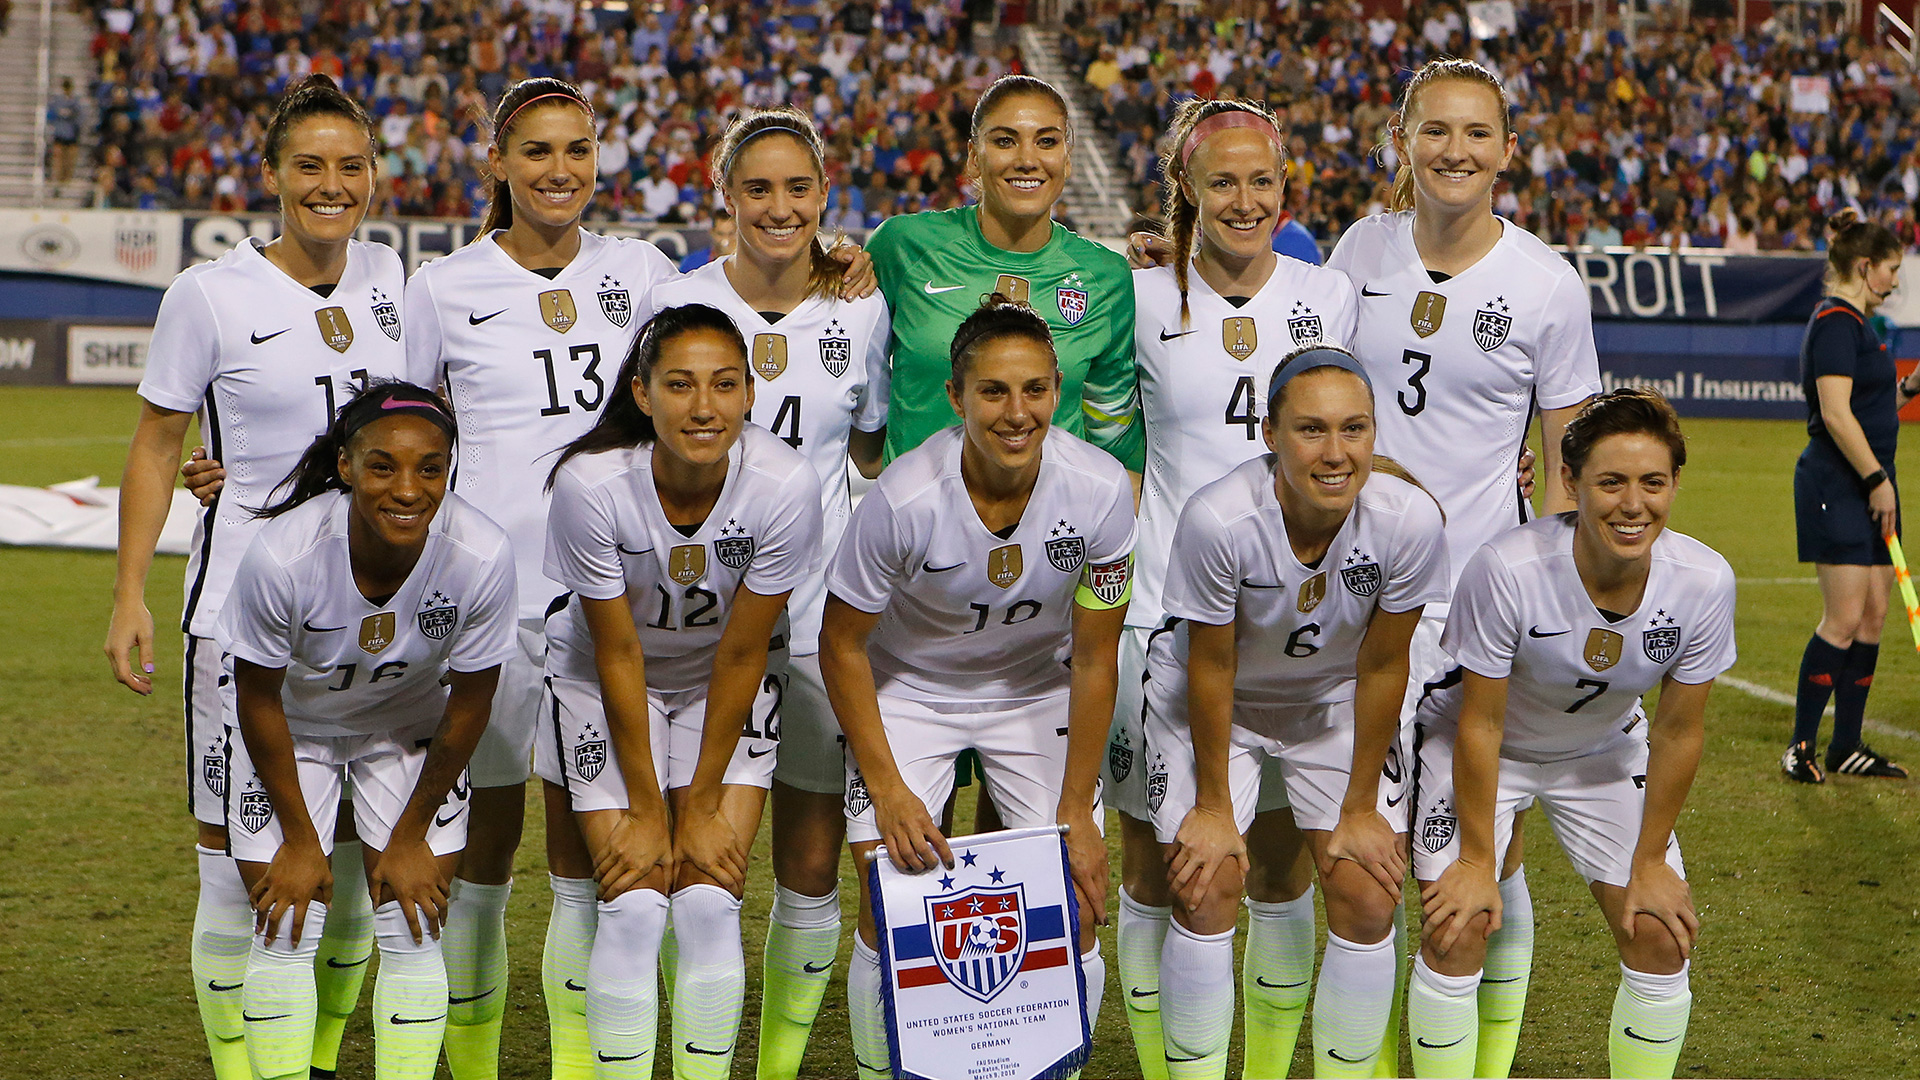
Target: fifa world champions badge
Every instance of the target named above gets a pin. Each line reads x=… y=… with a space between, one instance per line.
x=980 y=964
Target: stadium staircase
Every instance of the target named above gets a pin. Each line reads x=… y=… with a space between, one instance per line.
x=66 y=32
x=1096 y=192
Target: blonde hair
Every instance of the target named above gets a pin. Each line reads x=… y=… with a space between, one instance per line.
x=1384 y=464
x=826 y=272
x=1431 y=72
x=1182 y=213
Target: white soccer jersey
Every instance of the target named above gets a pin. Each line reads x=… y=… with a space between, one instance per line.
x=609 y=536
x=968 y=616
x=355 y=667
x=1298 y=628
x=1458 y=366
x=1203 y=387
x=1574 y=677
x=819 y=372
x=266 y=362
x=528 y=362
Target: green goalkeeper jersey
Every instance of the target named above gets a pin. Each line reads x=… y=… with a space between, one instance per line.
x=935 y=268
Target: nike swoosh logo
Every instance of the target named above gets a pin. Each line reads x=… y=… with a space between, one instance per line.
x=308 y=626
x=451 y=1000
x=443 y=823
x=1280 y=986
x=932 y=291
x=1365 y=291
x=334 y=962
x=752 y=753
x=258 y=340
x=1534 y=632
x=575 y=987
x=476 y=320
x=1436 y=1046
x=623 y=1057
x=252 y=1019
x=1164 y=336
x=811 y=970
x=396 y=1018
x=1484 y=981
x=929 y=568
x=1642 y=1038
x=1139 y=993
x=625 y=550
x=1335 y=1054
x=218 y=989
x=1182 y=1061
x=1245 y=584
x=692 y=1049
x=1395 y=801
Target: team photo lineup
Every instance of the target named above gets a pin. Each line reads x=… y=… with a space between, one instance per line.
x=1233 y=567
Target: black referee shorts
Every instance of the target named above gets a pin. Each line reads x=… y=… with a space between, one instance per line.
x=1831 y=520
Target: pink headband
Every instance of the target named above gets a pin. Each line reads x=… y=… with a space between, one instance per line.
x=1227 y=121
x=508 y=122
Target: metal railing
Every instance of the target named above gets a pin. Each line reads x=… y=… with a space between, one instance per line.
x=42 y=93
x=1896 y=32
x=1098 y=171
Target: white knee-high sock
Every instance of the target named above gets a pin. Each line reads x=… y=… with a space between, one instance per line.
x=803 y=938
x=1503 y=985
x=563 y=974
x=1277 y=978
x=622 y=979
x=1196 y=1002
x=280 y=1001
x=1350 y=1006
x=1141 y=933
x=474 y=942
x=346 y=944
x=710 y=984
x=1093 y=967
x=1649 y=1025
x=1444 y=1020
x=222 y=936
x=871 y=1058
x=409 y=998
x=1387 y=1065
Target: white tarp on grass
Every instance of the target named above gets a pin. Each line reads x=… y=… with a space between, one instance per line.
x=82 y=514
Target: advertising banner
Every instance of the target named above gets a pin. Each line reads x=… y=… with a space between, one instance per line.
x=1699 y=285
x=110 y=245
x=107 y=355
x=30 y=353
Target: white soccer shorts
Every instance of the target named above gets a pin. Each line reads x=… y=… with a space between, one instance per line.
x=504 y=756
x=1594 y=803
x=384 y=767
x=203 y=685
x=1023 y=753
x=813 y=752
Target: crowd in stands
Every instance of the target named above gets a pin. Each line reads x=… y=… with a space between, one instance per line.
x=1681 y=133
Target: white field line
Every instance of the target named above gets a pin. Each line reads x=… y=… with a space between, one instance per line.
x=1768 y=693
x=1777 y=581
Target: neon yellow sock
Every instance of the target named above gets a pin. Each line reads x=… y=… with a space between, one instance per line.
x=563 y=975
x=1142 y=931
x=346 y=943
x=803 y=937
x=1387 y=1065
x=1649 y=1026
x=1276 y=979
x=1503 y=987
x=474 y=942
x=222 y=936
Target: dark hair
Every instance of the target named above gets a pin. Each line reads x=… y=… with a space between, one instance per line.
x=499 y=198
x=1007 y=86
x=1849 y=239
x=318 y=470
x=621 y=423
x=827 y=272
x=998 y=316
x=1181 y=212
x=1627 y=410
x=1433 y=71
x=316 y=95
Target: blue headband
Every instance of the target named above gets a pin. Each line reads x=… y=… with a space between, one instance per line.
x=1322 y=356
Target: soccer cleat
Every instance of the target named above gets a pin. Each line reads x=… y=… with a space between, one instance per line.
x=1798 y=764
x=1862 y=761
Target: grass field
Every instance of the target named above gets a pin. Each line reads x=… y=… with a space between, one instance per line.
x=1809 y=964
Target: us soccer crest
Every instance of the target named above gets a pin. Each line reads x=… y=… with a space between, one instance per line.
x=335 y=328
x=1239 y=336
x=1603 y=648
x=255 y=809
x=437 y=616
x=1491 y=324
x=769 y=355
x=687 y=563
x=1119 y=754
x=836 y=349
x=1429 y=311
x=1071 y=296
x=615 y=303
x=136 y=247
x=1156 y=783
x=1436 y=832
x=557 y=310
x=1660 y=644
x=376 y=632
x=1014 y=288
x=980 y=937
x=213 y=768
x=1303 y=325
x=1004 y=565
x=1312 y=591
x=1067 y=553
x=733 y=547
x=857 y=798
x=1362 y=578
x=590 y=754
x=386 y=315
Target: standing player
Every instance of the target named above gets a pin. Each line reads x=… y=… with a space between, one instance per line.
x=1468 y=324
x=1294 y=588
x=821 y=369
x=364 y=634
x=680 y=530
x=263 y=344
x=1845 y=500
x=1208 y=332
x=986 y=558
x=1559 y=627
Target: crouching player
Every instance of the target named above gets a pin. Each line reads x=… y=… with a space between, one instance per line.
x=363 y=637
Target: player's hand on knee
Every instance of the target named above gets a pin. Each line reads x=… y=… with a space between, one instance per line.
x=636 y=849
x=859 y=281
x=1146 y=250
x=408 y=872
x=1087 y=862
x=1655 y=890
x=203 y=475
x=914 y=840
x=1206 y=840
x=1365 y=838
x=710 y=844
x=1463 y=892
x=298 y=875
x=130 y=634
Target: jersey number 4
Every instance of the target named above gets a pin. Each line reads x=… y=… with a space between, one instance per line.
x=786 y=422
x=1240 y=407
x=590 y=352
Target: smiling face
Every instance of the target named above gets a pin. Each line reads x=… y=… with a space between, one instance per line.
x=396 y=468
x=698 y=396
x=325 y=178
x=1020 y=157
x=1624 y=492
x=548 y=158
x=1236 y=179
x=1006 y=404
x=1321 y=435
x=776 y=195
x=1455 y=138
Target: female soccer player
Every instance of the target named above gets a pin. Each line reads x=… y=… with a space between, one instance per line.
x=679 y=530
x=1845 y=500
x=263 y=343
x=364 y=633
x=1559 y=627
x=1292 y=594
x=821 y=364
x=985 y=558
x=1209 y=330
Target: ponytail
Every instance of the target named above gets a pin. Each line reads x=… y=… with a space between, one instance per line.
x=1384 y=464
x=499 y=213
x=318 y=470
x=1850 y=239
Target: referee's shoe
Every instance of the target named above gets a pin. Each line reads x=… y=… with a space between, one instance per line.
x=1798 y=764
x=1862 y=760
